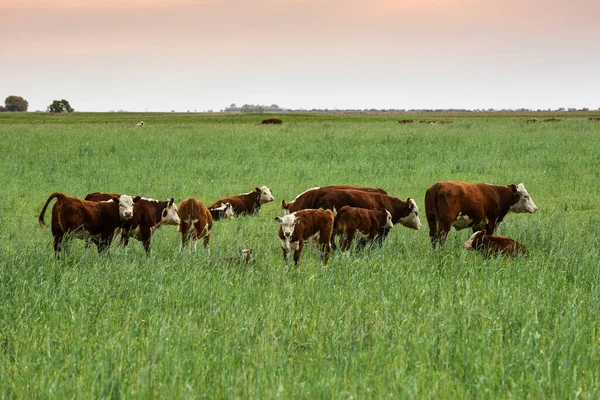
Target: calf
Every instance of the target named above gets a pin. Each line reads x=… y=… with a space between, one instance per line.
x=306 y=225
x=246 y=203
x=88 y=220
x=195 y=223
x=309 y=198
x=141 y=123
x=245 y=257
x=225 y=210
x=368 y=224
x=494 y=245
x=270 y=121
x=472 y=205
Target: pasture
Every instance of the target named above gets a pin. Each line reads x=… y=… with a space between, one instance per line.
x=402 y=321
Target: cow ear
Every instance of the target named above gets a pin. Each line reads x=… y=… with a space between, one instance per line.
x=257 y=189
x=513 y=188
x=171 y=202
x=116 y=199
x=284 y=205
x=278 y=219
x=136 y=199
x=297 y=219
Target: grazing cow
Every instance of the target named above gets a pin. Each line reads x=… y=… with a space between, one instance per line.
x=196 y=223
x=366 y=224
x=406 y=121
x=552 y=120
x=270 y=121
x=303 y=226
x=530 y=121
x=445 y=121
x=494 y=245
x=594 y=118
x=247 y=203
x=87 y=220
x=148 y=214
x=308 y=198
x=225 y=210
x=141 y=123
x=472 y=205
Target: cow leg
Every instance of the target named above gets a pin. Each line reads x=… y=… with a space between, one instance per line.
x=183 y=228
x=146 y=234
x=104 y=243
x=349 y=237
x=206 y=243
x=490 y=228
x=325 y=253
x=286 y=255
x=298 y=252
x=124 y=239
x=58 y=244
x=383 y=232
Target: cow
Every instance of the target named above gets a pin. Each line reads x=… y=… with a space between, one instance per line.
x=141 y=123
x=472 y=205
x=270 y=121
x=247 y=203
x=308 y=198
x=195 y=223
x=445 y=121
x=306 y=226
x=87 y=220
x=406 y=121
x=245 y=257
x=494 y=245
x=530 y=121
x=594 y=118
x=366 y=224
x=149 y=215
x=552 y=119
x=224 y=210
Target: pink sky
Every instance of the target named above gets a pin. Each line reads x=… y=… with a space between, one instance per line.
x=198 y=55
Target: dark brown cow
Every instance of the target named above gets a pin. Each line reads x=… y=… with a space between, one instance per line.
x=472 y=205
x=494 y=245
x=148 y=215
x=270 y=121
x=87 y=220
x=309 y=198
x=196 y=223
x=246 y=203
x=552 y=120
x=367 y=224
x=302 y=226
x=406 y=121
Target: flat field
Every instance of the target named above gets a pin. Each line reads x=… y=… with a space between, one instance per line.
x=402 y=321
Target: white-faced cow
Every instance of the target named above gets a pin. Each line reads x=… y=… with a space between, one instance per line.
x=247 y=203
x=87 y=220
x=365 y=224
x=148 y=214
x=472 y=205
x=309 y=198
x=306 y=226
x=196 y=223
x=225 y=210
x=495 y=245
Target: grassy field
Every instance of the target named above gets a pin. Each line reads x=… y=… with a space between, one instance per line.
x=397 y=322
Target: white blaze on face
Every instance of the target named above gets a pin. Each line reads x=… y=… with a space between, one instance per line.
x=525 y=203
x=469 y=243
x=388 y=220
x=288 y=223
x=170 y=215
x=265 y=195
x=412 y=220
x=125 y=207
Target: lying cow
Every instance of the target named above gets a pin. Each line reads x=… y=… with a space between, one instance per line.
x=304 y=226
x=270 y=121
x=472 y=205
x=196 y=223
x=224 y=210
x=245 y=257
x=141 y=123
x=149 y=215
x=366 y=224
x=246 y=203
x=309 y=198
x=87 y=220
x=494 y=245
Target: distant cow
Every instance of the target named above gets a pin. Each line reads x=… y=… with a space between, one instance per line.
x=308 y=198
x=406 y=121
x=367 y=225
x=530 y=121
x=225 y=210
x=87 y=220
x=472 y=205
x=246 y=203
x=148 y=216
x=141 y=123
x=304 y=226
x=494 y=245
x=552 y=120
x=594 y=118
x=270 y=121
x=195 y=223
x=445 y=121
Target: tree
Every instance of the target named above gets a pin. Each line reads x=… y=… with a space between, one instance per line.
x=2 y=109
x=16 y=103
x=60 y=106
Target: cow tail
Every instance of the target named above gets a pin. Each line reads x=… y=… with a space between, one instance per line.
x=431 y=211
x=41 y=217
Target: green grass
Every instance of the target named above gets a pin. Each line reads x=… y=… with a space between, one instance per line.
x=400 y=321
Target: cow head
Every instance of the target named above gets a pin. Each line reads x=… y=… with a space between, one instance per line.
x=412 y=219
x=265 y=194
x=169 y=214
x=125 y=203
x=288 y=223
x=388 y=220
x=474 y=239
x=524 y=203
x=225 y=210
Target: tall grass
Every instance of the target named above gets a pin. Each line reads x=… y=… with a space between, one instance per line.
x=400 y=321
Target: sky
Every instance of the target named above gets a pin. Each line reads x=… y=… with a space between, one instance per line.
x=159 y=55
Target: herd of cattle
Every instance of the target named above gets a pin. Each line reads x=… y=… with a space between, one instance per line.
x=316 y=215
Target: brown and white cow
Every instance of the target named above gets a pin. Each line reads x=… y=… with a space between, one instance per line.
x=309 y=198
x=306 y=226
x=87 y=220
x=494 y=245
x=530 y=121
x=141 y=123
x=270 y=121
x=472 y=205
x=246 y=203
x=148 y=215
x=367 y=225
x=406 y=121
x=225 y=210
x=196 y=223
